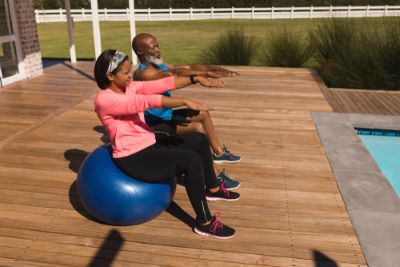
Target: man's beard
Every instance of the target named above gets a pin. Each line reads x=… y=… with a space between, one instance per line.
x=154 y=60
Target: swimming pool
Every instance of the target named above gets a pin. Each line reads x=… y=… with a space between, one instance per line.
x=384 y=147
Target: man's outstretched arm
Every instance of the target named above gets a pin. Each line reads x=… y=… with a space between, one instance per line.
x=200 y=69
x=150 y=75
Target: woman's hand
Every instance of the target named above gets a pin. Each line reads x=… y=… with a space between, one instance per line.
x=210 y=83
x=192 y=104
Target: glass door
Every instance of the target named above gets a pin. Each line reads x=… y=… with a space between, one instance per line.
x=10 y=56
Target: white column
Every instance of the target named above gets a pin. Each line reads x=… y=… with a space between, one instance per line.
x=291 y=12
x=96 y=28
x=311 y=12
x=36 y=15
x=132 y=27
x=70 y=32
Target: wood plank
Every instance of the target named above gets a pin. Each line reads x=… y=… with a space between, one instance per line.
x=290 y=212
x=364 y=101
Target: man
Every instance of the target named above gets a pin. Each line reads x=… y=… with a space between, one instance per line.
x=167 y=121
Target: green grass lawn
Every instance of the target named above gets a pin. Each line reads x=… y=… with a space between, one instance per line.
x=180 y=41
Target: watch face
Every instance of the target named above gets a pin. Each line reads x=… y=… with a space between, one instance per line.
x=192 y=79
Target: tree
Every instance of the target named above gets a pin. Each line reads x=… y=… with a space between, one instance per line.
x=52 y=4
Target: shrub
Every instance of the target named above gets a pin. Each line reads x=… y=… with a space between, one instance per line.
x=390 y=53
x=233 y=47
x=331 y=37
x=357 y=55
x=286 y=49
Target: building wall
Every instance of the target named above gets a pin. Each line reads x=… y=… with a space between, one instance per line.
x=28 y=36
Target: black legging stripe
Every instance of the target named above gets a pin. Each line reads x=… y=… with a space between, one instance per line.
x=187 y=154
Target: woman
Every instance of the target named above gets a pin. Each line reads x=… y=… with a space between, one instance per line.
x=120 y=106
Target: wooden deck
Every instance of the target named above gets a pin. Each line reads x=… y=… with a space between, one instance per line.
x=290 y=214
x=374 y=102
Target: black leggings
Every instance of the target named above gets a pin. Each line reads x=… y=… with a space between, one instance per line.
x=185 y=154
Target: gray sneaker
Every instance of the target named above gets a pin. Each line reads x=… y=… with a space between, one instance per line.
x=225 y=157
x=229 y=183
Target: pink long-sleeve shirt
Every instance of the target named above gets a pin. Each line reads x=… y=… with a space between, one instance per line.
x=122 y=114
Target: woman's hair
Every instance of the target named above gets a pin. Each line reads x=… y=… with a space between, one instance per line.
x=102 y=65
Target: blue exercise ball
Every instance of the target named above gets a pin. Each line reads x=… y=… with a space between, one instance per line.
x=115 y=198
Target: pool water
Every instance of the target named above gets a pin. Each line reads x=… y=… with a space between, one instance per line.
x=384 y=147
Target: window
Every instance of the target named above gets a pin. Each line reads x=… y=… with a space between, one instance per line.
x=5 y=19
x=8 y=59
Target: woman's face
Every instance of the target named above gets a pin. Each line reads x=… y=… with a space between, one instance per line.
x=123 y=77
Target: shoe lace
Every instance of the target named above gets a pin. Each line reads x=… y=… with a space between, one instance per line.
x=216 y=224
x=222 y=174
x=222 y=187
x=226 y=150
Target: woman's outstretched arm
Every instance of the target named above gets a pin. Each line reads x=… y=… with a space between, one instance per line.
x=174 y=102
x=171 y=83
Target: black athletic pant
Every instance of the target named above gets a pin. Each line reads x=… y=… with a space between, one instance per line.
x=187 y=154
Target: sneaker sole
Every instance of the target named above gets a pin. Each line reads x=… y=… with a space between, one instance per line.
x=220 y=198
x=226 y=161
x=197 y=231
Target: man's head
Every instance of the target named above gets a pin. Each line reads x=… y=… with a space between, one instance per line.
x=146 y=48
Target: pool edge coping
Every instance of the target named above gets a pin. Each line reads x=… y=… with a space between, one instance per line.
x=376 y=221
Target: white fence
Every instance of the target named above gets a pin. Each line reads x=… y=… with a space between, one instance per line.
x=55 y=15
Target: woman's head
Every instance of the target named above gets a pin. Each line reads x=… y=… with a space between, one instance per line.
x=112 y=67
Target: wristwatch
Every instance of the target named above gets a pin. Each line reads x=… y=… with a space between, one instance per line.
x=192 y=80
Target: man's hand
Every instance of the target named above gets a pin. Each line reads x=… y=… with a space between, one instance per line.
x=210 y=83
x=192 y=104
x=230 y=73
x=215 y=74
x=221 y=73
x=227 y=73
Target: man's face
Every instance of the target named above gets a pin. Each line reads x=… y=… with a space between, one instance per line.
x=151 y=51
x=151 y=48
